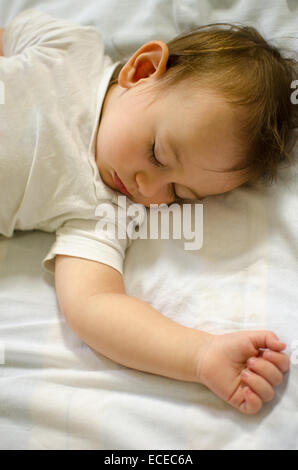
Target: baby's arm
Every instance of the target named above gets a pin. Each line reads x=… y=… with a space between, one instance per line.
x=123 y=328
x=129 y=331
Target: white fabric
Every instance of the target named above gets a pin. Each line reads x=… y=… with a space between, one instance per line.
x=55 y=392
x=56 y=76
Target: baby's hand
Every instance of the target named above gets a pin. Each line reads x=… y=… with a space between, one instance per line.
x=236 y=368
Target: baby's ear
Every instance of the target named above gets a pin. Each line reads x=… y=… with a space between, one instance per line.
x=148 y=62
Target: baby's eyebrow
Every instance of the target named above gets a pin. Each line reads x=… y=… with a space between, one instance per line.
x=236 y=167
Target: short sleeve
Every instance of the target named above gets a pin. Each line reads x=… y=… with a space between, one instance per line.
x=104 y=240
x=32 y=28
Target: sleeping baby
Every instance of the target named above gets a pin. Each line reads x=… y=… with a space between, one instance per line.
x=205 y=113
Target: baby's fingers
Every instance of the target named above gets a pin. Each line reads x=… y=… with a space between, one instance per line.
x=251 y=403
x=267 y=340
x=280 y=360
x=266 y=369
x=258 y=385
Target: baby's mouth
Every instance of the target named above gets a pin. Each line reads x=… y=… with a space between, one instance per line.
x=120 y=185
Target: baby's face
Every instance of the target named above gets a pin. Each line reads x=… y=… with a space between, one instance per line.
x=191 y=133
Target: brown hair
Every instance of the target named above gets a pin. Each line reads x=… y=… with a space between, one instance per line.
x=252 y=75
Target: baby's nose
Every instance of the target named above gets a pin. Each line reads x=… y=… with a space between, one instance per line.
x=150 y=185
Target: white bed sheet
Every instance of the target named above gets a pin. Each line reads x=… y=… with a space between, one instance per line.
x=57 y=393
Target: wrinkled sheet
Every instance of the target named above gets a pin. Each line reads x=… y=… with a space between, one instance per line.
x=56 y=392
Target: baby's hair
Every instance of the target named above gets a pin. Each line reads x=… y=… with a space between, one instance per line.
x=253 y=76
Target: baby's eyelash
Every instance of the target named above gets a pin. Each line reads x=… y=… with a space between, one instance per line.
x=155 y=162
x=153 y=158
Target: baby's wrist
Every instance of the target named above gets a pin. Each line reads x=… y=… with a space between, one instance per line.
x=201 y=344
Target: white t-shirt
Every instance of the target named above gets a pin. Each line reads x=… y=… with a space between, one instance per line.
x=55 y=77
